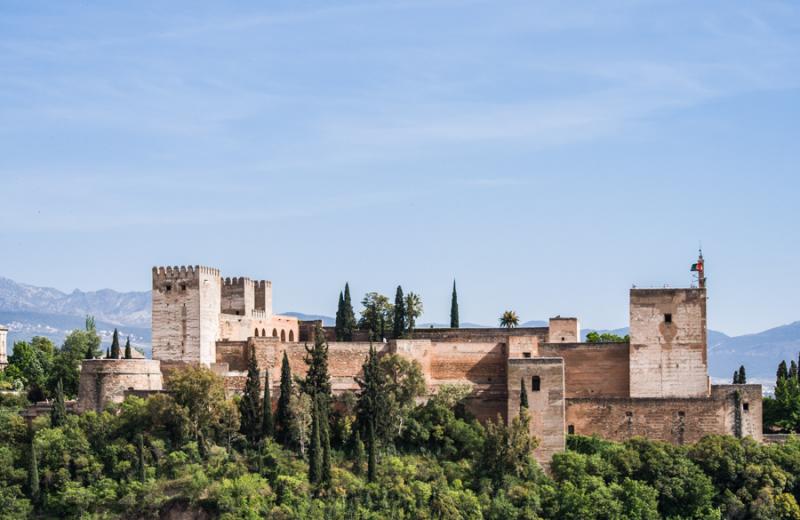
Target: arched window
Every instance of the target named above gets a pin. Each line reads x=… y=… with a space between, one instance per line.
x=264 y=333
x=256 y=331
x=274 y=333
x=536 y=383
x=283 y=335
x=291 y=335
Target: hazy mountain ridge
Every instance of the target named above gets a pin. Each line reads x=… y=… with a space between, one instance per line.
x=29 y=311
x=121 y=308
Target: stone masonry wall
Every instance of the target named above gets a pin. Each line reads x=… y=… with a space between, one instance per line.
x=564 y=330
x=545 y=401
x=3 y=347
x=668 y=343
x=675 y=420
x=592 y=369
x=238 y=296
x=103 y=381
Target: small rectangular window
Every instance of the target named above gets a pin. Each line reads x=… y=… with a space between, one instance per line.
x=746 y=407
x=628 y=414
x=571 y=429
x=668 y=318
x=183 y=287
x=168 y=288
x=536 y=383
x=526 y=354
x=681 y=414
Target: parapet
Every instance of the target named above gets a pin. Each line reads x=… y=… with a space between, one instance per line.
x=237 y=282
x=182 y=272
x=262 y=284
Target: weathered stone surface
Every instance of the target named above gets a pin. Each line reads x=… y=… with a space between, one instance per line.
x=3 y=347
x=564 y=330
x=103 y=381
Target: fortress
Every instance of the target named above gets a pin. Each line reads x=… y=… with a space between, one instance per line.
x=656 y=385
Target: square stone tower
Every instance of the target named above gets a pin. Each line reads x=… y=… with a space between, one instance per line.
x=3 y=347
x=186 y=307
x=668 y=350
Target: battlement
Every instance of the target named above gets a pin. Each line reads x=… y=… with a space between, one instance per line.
x=236 y=282
x=262 y=284
x=182 y=272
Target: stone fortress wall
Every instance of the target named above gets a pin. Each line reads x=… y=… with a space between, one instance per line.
x=3 y=347
x=657 y=385
x=103 y=381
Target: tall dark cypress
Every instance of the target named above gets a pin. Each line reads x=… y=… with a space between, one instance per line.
x=348 y=316
x=735 y=377
x=267 y=422
x=315 y=447
x=128 y=351
x=250 y=404
x=742 y=376
x=782 y=372
x=339 y=328
x=523 y=396
x=142 y=467
x=358 y=454
x=371 y=448
x=399 y=314
x=58 y=415
x=89 y=352
x=325 y=438
x=283 y=414
x=115 y=345
x=317 y=381
x=454 y=308
x=33 y=475
x=793 y=370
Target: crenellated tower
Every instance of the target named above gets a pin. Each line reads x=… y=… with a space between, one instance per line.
x=186 y=307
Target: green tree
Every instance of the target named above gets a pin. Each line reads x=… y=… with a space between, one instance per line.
x=372 y=406
x=372 y=448
x=31 y=363
x=606 y=337
x=399 y=320
x=401 y=383
x=523 y=396
x=782 y=373
x=267 y=421
x=735 y=377
x=115 y=345
x=58 y=415
x=315 y=447
x=317 y=381
x=509 y=319
x=250 y=404
x=140 y=452
x=454 y=324
x=68 y=358
x=348 y=316
x=283 y=413
x=325 y=438
x=339 y=327
x=742 y=376
x=358 y=454
x=128 y=352
x=201 y=394
x=793 y=370
x=33 y=474
x=376 y=316
x=413 y=310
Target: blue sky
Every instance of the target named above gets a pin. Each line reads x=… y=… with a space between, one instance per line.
x=548 y=155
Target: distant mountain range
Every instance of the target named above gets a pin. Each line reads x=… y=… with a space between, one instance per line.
x=30 y=311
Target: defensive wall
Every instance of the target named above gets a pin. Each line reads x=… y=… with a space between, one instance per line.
x=103 y=381
x=3 y=347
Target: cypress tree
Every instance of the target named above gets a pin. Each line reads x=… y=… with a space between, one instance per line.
x=315 y=448
x=128 y=351
x=454 y=308
x=115 y=345
x=793 y=370
x=142 y=468
x=89 y=353
x=348 y=316
x=371 y=462
x=283 y=414
x=735 y=377
x=250 y=405
x=339 y=328
x=58 y=415
x=325 y=475
x=317 y=381
x=33 y=475
x=267 y=423
x=742 y=376
x=399 y=314
x=358 y=454
x=782 y=372
x=108 y=353
x=523 y=395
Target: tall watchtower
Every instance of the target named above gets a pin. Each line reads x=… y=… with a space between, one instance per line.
x=3 y=347
x=668 y=349
x=186 y=306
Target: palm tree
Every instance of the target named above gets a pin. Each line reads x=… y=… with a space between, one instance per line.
x=509 y=319
x=413 y=309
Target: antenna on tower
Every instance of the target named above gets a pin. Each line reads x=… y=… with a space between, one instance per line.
x=699 y=268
